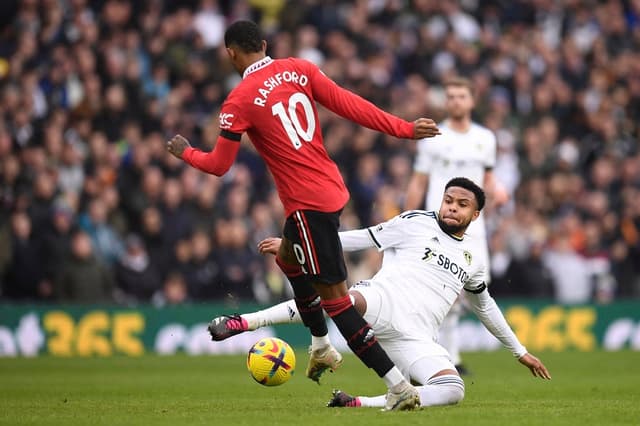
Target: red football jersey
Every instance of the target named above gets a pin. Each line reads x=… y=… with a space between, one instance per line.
x=275 y=105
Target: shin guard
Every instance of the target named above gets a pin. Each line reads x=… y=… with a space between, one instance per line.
x=306 y=298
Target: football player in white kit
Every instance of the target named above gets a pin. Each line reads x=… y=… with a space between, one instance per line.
x=464 y=149
x=428 y=260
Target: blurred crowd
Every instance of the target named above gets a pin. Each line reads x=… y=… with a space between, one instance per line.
x=93 y=209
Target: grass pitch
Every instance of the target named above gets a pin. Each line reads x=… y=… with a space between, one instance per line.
x=598 y=388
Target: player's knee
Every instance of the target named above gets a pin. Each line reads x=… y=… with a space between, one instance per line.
x=450 y=389
x=290 y=269
x=335 y=307
x=456 y=394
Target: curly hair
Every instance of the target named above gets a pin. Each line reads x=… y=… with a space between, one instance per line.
x=465 y=183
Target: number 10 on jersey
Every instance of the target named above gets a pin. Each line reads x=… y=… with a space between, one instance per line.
x=291 y=122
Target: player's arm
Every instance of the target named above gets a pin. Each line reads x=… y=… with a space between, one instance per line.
x=216 y=162
x=494 y=189
x=416 y=191
x=358 y=239
x=422 y=166
x=381 y=236
x=486 y=309
x=357 y=109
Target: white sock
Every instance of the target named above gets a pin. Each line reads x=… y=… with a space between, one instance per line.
x=372 y=401
x=282 y=313
x=393 y=377
x=441 y=390
x=318 y=342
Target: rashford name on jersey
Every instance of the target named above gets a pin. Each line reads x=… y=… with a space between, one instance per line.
x=276 y=80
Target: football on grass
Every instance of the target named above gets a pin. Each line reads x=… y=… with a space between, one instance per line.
x=271 y=361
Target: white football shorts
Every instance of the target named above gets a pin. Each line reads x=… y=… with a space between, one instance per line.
x=404 y=349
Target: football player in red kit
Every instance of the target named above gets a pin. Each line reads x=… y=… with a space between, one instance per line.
x=275 y=105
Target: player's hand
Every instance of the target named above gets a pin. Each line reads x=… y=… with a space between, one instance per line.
x=425 y=128
x=535 y=365
x=177 y=145
x=269 y=245
x=500 y=195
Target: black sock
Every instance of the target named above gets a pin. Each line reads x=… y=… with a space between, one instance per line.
x=308 y=303
x=358 y=334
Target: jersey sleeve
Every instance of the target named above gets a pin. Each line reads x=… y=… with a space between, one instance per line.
x=355 y=108
x=216 y=162
x=232 y=118
x=425 y=154
x=488 y=312
x=387 y=234
x=357 y=239
x=476 y=282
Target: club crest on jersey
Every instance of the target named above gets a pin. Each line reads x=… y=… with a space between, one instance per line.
x=467 y=257
x=225 y=120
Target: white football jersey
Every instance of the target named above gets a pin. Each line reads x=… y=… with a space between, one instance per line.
x=424 y=268
x=454 y=154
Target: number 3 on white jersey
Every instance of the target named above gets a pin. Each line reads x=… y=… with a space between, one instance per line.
x=291 y=122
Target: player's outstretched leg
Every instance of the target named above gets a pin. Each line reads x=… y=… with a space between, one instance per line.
x=225 y=326
x=321 y=359
x=406 y=399
x=363 y=342
x=441 y=390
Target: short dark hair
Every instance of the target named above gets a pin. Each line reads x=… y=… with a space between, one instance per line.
x=458 y=81
x=244 y=34
x=465 y=183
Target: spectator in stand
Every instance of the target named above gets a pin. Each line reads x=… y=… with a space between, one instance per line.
x=176 y=219
x=174 y=291
x=44 y=192
x=25 y=278
x=83 y=278
x=108 y=246
x=154 y=239
x=56 y=242
x=241 y=266
x=203 y=276
x=136 y=275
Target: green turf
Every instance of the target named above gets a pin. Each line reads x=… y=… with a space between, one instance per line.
x=596 y=388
